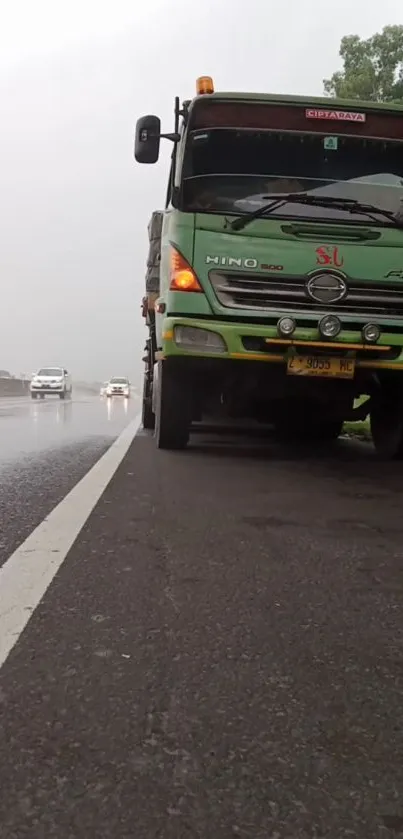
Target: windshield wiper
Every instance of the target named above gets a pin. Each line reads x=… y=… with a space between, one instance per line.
x=349 y=205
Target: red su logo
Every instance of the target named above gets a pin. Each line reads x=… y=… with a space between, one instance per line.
x=329 y=255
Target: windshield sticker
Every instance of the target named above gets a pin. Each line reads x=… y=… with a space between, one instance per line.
x=329 y=255
x=336 y=116
x=331 y=143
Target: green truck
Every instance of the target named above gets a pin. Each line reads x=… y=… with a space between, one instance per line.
x=275 y=274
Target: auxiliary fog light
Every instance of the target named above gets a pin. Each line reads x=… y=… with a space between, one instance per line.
x=371 y=333
x=286 y=327
x=329 y=326
x=198 y=340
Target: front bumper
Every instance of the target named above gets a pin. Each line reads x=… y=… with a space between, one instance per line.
x=46 y=389
x=258 y=342
x=117 y=393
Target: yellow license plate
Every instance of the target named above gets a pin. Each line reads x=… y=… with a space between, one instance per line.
x=311 y=365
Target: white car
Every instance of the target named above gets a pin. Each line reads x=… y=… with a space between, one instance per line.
x=118 y=386
x=51 y=380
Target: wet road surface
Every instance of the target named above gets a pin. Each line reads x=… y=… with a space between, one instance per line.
x=220 y=655
x=28 y=426
x=45 y=448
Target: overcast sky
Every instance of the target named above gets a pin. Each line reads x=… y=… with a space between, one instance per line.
x=74 y=207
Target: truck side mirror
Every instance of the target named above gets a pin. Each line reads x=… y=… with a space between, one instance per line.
x=147 y=139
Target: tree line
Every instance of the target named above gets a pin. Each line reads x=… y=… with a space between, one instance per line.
x=372 y=68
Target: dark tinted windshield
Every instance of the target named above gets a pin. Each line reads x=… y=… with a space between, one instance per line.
x=236 y=171
x=50 y=371
x=119 y=381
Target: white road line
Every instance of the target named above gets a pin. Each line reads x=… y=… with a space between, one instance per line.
x=28 y=572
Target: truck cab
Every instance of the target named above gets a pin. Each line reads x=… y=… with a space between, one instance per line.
x=277 y=290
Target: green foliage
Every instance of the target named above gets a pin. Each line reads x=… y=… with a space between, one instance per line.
x=372 y=69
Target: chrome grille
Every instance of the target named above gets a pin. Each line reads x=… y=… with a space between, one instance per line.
x=264 y=293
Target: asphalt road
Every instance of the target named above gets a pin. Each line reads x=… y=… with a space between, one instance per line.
x=220 y=655
x=45 y=448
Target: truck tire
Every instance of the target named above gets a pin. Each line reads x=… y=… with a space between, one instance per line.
x=172 y=417
x=62 y=394
x=386 y=419
x=147 y=415
x=34 y=395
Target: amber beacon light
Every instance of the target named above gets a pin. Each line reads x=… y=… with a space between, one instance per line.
x=204 y=84
x=183 y=278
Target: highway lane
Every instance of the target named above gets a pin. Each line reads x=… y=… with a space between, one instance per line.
x=28 y=426
x=45 y=448
x=220 y=655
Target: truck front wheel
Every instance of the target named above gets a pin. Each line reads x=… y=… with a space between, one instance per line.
x=386 y=417
x=173 y=415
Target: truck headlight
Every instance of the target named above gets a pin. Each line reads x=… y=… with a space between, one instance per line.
x=196 y=339
x=329 y=326
x=371 y=333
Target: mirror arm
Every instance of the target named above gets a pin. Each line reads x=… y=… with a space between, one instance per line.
x=173 y=137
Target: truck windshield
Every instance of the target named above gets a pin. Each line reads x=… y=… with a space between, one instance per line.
x=235 y=171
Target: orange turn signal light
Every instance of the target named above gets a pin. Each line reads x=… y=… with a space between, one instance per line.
x=204 y=84
x=183 y=278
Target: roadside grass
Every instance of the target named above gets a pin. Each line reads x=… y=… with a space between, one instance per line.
x=360 y=430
